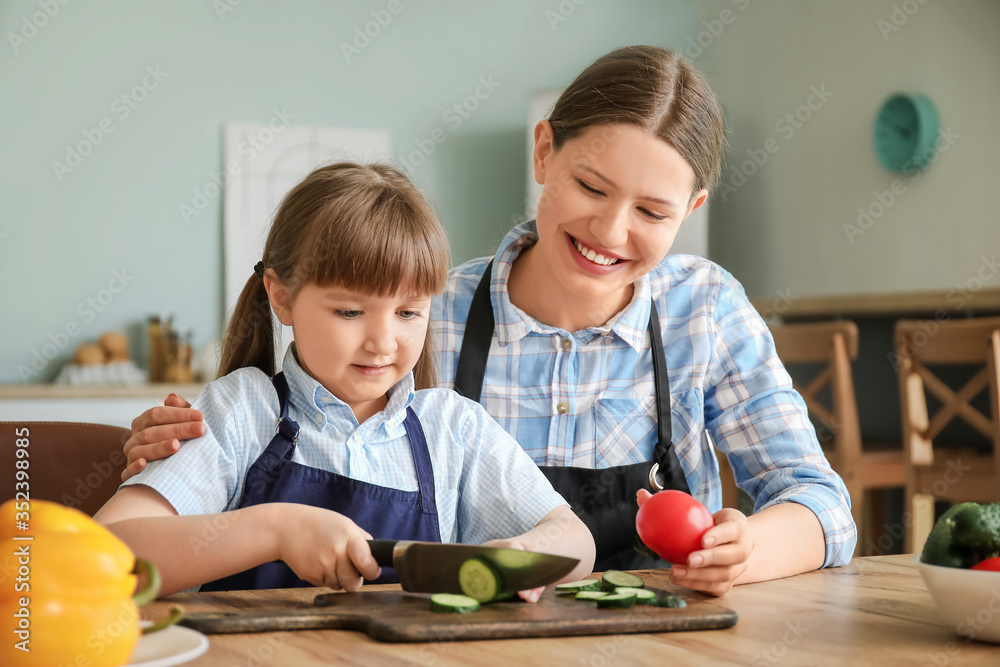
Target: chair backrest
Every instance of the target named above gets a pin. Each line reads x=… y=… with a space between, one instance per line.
x=75 y=464
x=962 y=342
x=834 y=344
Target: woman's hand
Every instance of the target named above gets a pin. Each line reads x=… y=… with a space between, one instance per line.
x=323 y=547
x=530 y=595
x=157 y=432
x=724 y=558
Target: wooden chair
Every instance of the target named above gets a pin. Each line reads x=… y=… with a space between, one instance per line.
x=75 y=464
x=865 y=473
x=952 y=474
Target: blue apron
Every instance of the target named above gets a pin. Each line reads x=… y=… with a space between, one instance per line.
x=385 y=513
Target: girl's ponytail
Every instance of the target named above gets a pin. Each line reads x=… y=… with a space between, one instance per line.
x=249 y=339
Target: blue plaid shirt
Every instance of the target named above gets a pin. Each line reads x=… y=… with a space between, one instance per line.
x=586 y=398
x=485 y=485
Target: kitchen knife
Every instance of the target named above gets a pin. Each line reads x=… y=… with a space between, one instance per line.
x=430 y=567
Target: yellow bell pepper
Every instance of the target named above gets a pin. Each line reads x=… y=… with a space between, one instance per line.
x=66 y=589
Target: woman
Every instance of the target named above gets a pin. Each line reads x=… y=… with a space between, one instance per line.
x=602 y=356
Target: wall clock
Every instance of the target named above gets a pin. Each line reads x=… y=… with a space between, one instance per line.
x=906 y=129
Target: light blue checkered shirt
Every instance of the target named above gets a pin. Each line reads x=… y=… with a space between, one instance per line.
x=485 y=485
x=724 y=377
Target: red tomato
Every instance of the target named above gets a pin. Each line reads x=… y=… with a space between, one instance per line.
x=671 y=523
x=991 y=564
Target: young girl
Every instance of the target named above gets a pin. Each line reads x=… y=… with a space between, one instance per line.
x=345 y=444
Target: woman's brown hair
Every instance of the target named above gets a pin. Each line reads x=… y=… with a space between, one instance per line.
x=363 y=227
x=656 y=90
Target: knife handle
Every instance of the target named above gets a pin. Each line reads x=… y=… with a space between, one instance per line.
x=382 y=551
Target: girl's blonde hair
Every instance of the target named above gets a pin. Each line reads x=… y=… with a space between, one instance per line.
x=364 y=227
x=656 y=90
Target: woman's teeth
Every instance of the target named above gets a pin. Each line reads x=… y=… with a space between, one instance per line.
x=594 y=256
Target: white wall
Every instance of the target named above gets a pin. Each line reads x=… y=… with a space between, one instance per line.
x=784 y=229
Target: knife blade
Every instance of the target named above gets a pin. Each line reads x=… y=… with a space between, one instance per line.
x=430 y=567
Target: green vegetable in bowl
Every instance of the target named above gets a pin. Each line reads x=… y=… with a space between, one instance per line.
x=966 y=534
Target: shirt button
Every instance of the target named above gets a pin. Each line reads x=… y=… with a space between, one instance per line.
x=562 y=408
x=567 y=343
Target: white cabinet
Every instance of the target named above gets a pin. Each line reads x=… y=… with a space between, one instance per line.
x=116 y=406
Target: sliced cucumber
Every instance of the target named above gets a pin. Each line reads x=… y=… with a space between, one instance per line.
x=480 y=580
x=591 y=595
x=453 y=604
x=577 y=586
x=642 y=596
x=615 y=579
x=674 y=601
x=617 y=601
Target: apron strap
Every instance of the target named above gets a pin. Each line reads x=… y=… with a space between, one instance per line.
x=421 y=462
x=286 y=428
x=479 y=326
x=471 y=371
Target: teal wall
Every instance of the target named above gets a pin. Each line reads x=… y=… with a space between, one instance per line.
x=62 y=241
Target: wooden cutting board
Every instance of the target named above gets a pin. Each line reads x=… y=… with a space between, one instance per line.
x=397 y=616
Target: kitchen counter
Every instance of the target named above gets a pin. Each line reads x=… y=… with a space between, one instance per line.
x=875 y=611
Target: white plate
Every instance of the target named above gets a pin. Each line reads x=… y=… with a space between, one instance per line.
x=173 y=646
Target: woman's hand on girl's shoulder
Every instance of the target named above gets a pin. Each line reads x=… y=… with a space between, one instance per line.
x=323 y=547
x=157 y=433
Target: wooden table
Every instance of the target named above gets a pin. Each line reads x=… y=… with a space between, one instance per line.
x=874 y=611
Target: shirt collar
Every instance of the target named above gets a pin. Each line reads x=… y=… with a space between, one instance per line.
x=512 y=323
x=319 y=406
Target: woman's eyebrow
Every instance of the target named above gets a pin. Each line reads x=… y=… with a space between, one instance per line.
x=664 y=202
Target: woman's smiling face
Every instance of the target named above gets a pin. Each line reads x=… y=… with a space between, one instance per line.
x=613 y=200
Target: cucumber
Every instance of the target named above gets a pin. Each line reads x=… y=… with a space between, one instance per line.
x=453 y=604
x=577 y=586
x=591 y=595
x=480 y=580
x=673 y=601
x=642 y=596
x=615 y=579
x=617 y=601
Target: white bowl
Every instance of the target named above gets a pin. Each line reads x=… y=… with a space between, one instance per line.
x=967 y=600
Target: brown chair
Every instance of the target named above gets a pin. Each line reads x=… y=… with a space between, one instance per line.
x=75 y=464
x=952 y=474
x=866 y=473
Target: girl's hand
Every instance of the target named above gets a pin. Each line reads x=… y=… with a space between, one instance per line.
x=530 y=595
x=323 y=547
x=157 y=432
x=724 y=558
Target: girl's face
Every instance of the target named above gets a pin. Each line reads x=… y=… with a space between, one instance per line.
x=355 y=344
x=613 y=200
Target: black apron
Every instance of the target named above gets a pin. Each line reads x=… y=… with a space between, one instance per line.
x=604 y=499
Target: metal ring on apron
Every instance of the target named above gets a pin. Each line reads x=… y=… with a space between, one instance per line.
x=653 y=479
